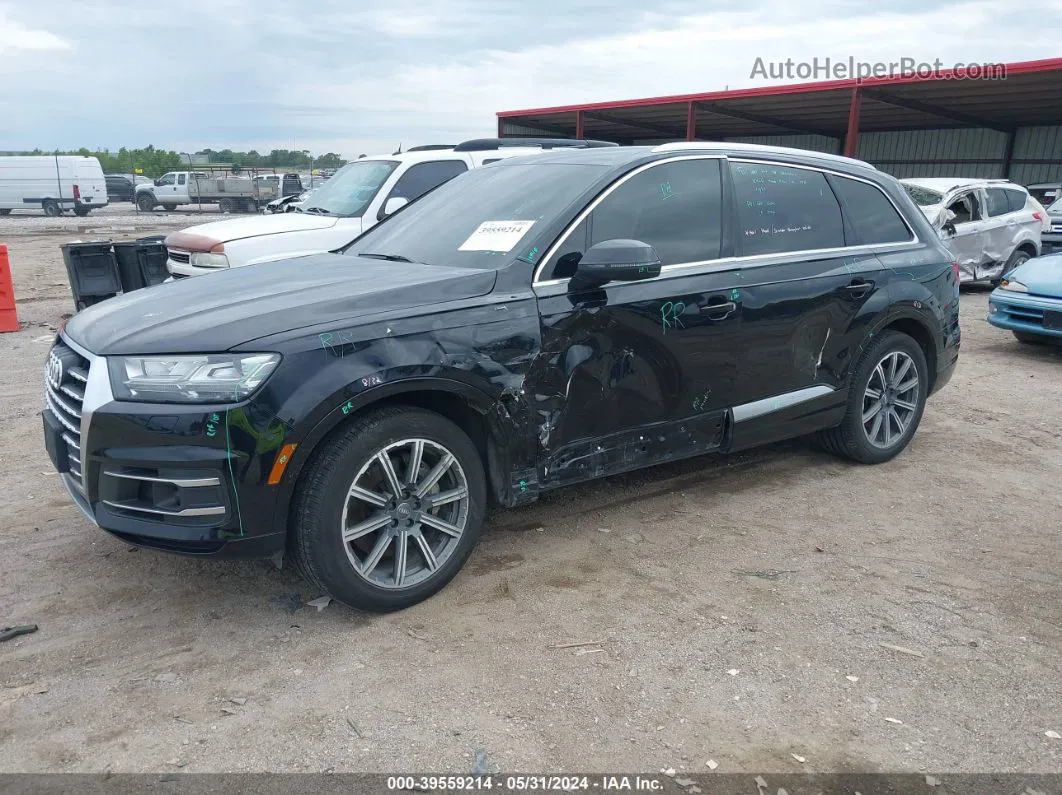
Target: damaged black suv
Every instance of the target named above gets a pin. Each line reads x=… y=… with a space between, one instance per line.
x=538 y=322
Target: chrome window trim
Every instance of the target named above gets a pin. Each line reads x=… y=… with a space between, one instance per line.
x=750 y=260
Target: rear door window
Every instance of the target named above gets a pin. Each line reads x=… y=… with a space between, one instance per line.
x=782 y=209
x=871 y=216
x=996 y=202
x=1015 y=199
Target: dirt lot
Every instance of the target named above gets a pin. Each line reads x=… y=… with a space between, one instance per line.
x=739 y=608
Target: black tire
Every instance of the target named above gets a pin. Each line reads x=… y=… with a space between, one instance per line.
x=170 y=208
x=51 y=208
x=5 y=212
x=322 y=495
x=1017 y=258
x=226 y=206
x=850 y=438
x=145 y=203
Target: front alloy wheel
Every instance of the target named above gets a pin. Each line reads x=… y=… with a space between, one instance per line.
x=405 y=513
x=388 y=509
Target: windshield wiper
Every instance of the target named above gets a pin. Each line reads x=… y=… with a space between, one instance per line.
x=388 y=257
x=316 y=210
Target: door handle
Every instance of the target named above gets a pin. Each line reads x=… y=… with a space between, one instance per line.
x=858 y=288
x=719 y=311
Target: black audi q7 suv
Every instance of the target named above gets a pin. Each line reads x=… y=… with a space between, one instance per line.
x=538 y=322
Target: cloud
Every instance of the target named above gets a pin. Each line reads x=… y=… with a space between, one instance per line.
x=15 y=37
x=361 y=77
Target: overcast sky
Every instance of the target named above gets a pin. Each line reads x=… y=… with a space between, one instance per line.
x=356 y=76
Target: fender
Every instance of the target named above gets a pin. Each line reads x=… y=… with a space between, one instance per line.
x=341 y=404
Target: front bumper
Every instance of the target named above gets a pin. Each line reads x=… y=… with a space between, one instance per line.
x=181 y=478
x=1025 y=313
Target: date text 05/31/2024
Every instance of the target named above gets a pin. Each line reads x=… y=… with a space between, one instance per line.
x=532 y=783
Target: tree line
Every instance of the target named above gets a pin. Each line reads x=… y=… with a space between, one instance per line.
x=153 y=162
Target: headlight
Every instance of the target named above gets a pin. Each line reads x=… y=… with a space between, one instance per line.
x=207 y=378
x=1016 y=287
x=201 y=259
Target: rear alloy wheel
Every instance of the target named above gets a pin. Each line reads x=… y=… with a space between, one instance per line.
x=886 y=399
x=51 y=208
x=388 y=512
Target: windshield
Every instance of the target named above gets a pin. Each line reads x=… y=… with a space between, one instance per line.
x=481 y=219
x=1055 y=207
x=923 y=197
x=351 y=189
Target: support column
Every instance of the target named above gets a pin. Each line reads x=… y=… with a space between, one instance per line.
x=578 y=124
x=501 y=127
x=1008 y=154
x=851 y=138
x=691 y=122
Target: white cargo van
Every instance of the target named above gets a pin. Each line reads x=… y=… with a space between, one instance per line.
x=53 y=183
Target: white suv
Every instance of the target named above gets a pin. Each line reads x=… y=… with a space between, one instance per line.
x=357 y=197
x=991 y=226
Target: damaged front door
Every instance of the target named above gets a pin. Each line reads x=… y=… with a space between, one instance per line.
x=634 y=373
x=965 y=233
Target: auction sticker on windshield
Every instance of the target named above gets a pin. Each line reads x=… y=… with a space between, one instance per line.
x=496 y=236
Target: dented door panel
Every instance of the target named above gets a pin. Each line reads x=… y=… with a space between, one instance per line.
x=802 y=323
x=634 y=373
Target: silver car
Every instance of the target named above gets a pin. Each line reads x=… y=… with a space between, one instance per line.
x=991 y=226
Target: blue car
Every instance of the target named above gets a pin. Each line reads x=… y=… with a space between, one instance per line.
x=1028 y=301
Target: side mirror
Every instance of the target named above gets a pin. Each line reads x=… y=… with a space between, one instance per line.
x=615 y=261
x=393 y=205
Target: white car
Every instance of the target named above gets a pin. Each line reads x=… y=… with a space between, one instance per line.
x=991 y=226
x=358 y=196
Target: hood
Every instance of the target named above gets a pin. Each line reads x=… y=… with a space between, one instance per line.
x=1042 y=275
x=222 y=310
x=254 y=226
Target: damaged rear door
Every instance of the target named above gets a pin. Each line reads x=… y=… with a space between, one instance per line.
x=634 y=373
x=807 y=272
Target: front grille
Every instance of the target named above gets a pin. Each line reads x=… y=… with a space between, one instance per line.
x=1023 y=314
x=184 y=257
x=65 y=401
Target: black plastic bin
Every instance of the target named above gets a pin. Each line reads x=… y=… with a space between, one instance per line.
x=141 y=263
x=92 y=272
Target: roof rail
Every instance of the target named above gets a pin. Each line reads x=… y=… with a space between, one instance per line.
x=487 y=144
x=430 y=147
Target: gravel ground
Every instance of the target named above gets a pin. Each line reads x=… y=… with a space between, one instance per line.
x=904 y=617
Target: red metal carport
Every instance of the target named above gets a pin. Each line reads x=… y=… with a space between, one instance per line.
x=1029 y=96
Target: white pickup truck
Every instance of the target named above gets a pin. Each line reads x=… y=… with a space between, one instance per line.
x=230 y=193
x=361 y=194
